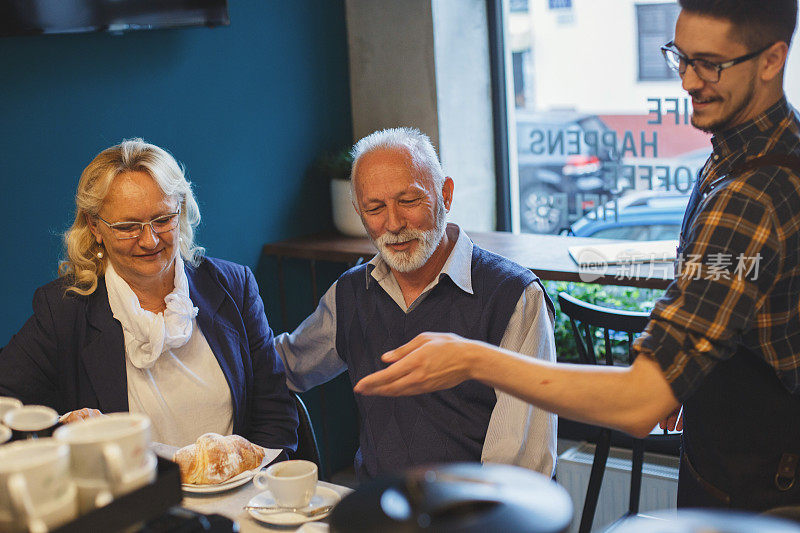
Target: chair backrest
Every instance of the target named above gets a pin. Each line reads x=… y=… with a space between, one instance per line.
x=585 y=319
x=584 y=316
x=306 y=440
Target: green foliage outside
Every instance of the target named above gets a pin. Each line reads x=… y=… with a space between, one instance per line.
x=617 y=297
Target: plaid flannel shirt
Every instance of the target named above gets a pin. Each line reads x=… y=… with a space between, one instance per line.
x=738 y=276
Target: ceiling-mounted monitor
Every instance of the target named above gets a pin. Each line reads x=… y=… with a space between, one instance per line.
x=36 y=17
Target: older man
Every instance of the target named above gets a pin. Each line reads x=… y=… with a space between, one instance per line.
x=427 y=276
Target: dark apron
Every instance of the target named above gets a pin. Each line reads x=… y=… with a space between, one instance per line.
x=741 y=430
x=741 y=439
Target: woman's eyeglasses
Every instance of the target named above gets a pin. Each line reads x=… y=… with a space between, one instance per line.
x=132 y=230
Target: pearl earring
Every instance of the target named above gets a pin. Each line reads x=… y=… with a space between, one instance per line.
x=99 y=255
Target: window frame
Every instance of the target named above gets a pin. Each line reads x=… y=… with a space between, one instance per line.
x=500 y=120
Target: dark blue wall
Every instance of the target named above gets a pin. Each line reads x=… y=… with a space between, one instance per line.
x=245 y=108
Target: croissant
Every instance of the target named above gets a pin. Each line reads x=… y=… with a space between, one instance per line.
x=214 y=458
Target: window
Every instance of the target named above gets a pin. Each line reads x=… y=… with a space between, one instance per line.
x=655 y=24
x=599 y=123
x=600 y=134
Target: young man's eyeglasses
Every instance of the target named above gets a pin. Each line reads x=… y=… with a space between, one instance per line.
x=132 y=230
x=705 y=70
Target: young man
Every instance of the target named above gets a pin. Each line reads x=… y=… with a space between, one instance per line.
x=725 y=346
x=427 y=276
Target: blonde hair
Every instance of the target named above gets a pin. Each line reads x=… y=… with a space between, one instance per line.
x=82 y=267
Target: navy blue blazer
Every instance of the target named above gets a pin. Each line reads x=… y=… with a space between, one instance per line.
x=70 y=354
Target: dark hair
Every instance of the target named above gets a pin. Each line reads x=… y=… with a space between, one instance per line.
x=758 y=23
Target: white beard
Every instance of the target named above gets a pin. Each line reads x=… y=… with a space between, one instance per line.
x=427 y=241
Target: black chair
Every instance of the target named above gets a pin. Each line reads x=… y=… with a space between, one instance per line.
x=586 y=320
x=306 y=440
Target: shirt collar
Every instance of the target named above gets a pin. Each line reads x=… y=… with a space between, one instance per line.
x=734 y=139
x=458 y=266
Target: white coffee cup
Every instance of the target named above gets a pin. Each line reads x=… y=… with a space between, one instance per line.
x=109 y=455
x=31 y=421
x=292 y=483
x=94 y=493
x=36 y=491
x=6 y=404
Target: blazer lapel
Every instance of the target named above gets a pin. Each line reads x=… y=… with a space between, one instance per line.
x=104 y=355
x=213 y=304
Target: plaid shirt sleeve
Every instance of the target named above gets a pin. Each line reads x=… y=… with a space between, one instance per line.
x=731 y=259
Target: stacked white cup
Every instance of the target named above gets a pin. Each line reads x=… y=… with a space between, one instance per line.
x=31 y=421
x=36 y=491
x=110 y=456
x=6 y=404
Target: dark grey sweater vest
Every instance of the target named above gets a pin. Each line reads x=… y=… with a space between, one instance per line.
x=445 y=426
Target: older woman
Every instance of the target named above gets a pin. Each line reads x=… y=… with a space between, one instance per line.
x=139 y=320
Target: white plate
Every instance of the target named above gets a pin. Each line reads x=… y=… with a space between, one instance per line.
x=236 y=481
x=322 y=496
x=232 y=483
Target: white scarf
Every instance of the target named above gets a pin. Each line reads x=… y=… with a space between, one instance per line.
x=147 y=334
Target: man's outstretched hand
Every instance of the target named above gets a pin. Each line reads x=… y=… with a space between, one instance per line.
x=430 y=362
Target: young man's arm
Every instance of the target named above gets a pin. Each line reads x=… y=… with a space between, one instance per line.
x=632 y=399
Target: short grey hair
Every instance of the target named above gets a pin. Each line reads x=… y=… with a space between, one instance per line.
x=424 y=160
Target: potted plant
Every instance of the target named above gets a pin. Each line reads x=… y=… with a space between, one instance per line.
x=335 y=166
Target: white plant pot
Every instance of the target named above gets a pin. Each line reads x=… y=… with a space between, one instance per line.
x=345 y=217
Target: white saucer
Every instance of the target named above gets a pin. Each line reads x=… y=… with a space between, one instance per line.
x=322 y=496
